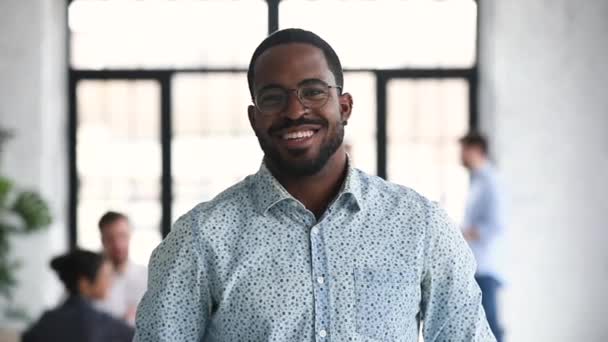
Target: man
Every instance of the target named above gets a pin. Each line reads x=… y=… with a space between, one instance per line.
x=484 y=223
x=309 y=248
x=129 y=281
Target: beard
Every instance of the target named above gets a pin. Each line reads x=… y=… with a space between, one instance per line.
x=303 y=168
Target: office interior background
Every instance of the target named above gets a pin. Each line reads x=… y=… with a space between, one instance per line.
x=140 y=106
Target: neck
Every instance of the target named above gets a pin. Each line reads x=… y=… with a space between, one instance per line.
x=120 y=267
x=317 y=191
x=478 y=165
x=76 y=297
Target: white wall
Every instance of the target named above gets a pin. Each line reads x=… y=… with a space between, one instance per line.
x=33 y=105
x=544 y=102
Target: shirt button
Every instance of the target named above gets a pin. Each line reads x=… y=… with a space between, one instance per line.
x=322 y=333
x=320 y=280
x=314 y=230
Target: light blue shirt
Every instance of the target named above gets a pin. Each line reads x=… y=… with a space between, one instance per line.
x=486 y=212
x=254 y=264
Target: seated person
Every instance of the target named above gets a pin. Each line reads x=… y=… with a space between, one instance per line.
x=87 y=277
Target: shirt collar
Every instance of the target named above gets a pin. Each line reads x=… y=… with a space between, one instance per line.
x=486 y=168
x=269 y=192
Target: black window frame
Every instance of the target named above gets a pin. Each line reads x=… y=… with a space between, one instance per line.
x=164 y=77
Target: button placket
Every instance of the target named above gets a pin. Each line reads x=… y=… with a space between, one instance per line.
x=319 y=273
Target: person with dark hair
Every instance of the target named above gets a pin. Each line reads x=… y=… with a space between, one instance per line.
x=86 y=277
x=310 y=248
x=129 y=278
x=484 y=224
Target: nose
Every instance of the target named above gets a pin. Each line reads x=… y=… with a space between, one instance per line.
x=294 y=108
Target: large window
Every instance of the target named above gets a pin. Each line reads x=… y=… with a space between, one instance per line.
x=164 y=34
x=360 y=133
x=158 y=107
x=118 y=156
x=213 y=146
x=390 y=33
x=425 y=118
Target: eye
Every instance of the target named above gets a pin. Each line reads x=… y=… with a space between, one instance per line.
x=271 y=98
x=313 y=93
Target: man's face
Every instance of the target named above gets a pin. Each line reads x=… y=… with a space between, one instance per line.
x=298 y=140
x=468 y=155
x=115 y=238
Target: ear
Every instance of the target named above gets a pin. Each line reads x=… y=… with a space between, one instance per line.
x=346 y=106
x=251 y=114
x=84 y=286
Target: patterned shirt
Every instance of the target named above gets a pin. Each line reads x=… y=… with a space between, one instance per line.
x=254 y=264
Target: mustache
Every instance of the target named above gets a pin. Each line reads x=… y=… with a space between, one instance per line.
x=288 y=123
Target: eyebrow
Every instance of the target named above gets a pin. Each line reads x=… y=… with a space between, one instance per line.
x=276 y=85
x=269 y=86
x=311 y=80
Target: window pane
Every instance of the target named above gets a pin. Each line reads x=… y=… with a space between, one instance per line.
x=119 y=160
x=213 y=145
x=390 y=33
x=425 y=119
x=360 y=134
x=165 y=33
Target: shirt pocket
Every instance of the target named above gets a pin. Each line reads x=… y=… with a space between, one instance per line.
x=386 y=303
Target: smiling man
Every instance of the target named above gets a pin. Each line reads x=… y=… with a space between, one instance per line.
x=310 y=248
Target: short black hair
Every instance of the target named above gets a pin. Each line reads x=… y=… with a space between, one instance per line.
x=475 y=139
x=72 y=266
x=294 y=35
x=109 y=218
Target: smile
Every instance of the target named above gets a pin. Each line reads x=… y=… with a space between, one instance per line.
x=298 y=135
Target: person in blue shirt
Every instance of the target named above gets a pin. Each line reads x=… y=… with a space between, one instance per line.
x=310 y=248
x=484 y=223
x=87 y=277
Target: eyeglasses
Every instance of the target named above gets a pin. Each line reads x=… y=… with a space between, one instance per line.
x=312 y=94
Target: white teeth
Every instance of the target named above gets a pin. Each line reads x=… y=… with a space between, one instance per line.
x=298 y=135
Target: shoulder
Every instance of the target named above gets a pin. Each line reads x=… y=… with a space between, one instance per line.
x=109 y=328
x=492 y=184
x=205 y=218
x=380 y=191
x=109 y=321
x=414 y=211
x=40 y=327
x=237 y=199
x=490 y=175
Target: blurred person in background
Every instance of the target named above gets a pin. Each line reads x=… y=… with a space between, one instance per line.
x=484 y=224
x=87 y=277
x=130 y=279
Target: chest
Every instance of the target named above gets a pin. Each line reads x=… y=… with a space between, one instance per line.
x=284 y=259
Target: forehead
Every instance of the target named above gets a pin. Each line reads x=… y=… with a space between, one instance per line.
x=470 y=147
x=289 y=64
x=119 y=225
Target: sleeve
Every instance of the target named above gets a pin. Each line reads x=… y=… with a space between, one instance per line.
x=113 y=329
x=451 y=300
x=123 y=333
x=493 y=219
x=177 y=303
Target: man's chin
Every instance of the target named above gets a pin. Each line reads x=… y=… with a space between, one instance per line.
x=300 y=166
